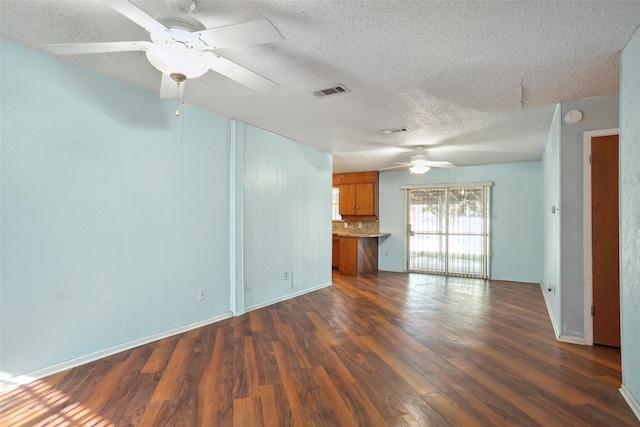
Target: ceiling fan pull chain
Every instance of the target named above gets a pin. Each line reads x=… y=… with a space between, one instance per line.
x=178 y=100
x=182 y=119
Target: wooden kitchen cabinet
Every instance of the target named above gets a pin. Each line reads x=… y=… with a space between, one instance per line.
x=357 y=199
x=358 y=195
x=335 y=256
x=358 y=255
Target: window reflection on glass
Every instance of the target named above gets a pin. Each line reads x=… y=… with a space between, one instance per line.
x=448 y=231
x=335 y=204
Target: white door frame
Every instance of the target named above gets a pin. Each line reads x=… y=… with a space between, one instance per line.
x=586 y=230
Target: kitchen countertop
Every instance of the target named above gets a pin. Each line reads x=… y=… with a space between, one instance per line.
x=352 y=234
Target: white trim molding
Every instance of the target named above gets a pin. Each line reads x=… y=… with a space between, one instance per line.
x=631 y=401
x=236 y=217
x=562 y=338
x=453 y=185
x=554 y=322
x=572 y=340
x=586 y=228
x=288 y=296
x=9 y=383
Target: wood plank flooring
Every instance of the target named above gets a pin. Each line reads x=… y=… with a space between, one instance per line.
x=386 y=349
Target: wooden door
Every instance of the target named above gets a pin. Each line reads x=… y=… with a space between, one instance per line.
x=364 y=199
x=347 y=197
x=605 y=240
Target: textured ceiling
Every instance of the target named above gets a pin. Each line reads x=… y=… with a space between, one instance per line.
x=475 y=82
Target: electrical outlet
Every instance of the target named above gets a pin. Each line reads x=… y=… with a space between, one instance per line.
x=247 y=285
x=286 y=275
x=202 y=295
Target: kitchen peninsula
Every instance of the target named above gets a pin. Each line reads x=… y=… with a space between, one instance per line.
x=355 y=237
x=358 y=252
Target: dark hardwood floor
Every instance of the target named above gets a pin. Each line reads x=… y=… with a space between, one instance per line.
x=384 y=349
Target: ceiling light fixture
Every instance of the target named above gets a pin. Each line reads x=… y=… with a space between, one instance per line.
x=180 y=51
x=419 y=167
x=419 y=163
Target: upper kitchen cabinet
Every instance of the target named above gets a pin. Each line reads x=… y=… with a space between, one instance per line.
x=358 y=195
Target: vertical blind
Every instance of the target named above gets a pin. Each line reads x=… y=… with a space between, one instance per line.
x=448 y=229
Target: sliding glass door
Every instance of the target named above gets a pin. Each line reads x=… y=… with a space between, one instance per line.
x=448 y=230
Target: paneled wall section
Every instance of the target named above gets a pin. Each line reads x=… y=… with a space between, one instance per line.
x=287 y=218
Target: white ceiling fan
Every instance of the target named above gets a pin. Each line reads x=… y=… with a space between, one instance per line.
x=182 y=48
x=419 y=163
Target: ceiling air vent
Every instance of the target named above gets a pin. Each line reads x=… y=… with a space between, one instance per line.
x=394 y=130
x=336 y=90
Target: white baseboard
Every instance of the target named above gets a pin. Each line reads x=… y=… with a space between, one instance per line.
x=286 y=297
x=572 y=340
x=631 y=400
x=8 y=383
x=562 y=338
x=556 y=330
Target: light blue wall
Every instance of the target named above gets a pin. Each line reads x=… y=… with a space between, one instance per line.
x=287 y=217
x=516 y=225
x=551 y=222
x=630 y=217
x=599 y=113
x=110 y=224
x=312 y=225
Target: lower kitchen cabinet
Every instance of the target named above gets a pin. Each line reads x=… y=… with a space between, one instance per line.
x=358 y=255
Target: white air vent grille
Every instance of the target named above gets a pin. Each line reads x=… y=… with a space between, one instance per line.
x=330 y=91
x=394 y=130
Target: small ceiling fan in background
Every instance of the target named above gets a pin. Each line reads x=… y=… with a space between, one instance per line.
x=182 y=48
x=419 y=163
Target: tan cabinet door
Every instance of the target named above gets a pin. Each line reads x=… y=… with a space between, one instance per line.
x=348 y=199
x=364 y=199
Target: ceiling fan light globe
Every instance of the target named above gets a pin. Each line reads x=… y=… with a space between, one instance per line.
x=175 y=58
x=419 y=169
x=419 y=158
x=182 y=38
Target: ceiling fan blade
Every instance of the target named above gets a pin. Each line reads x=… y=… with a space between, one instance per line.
x=169 y=87
x=241 y=75
x=435 y=164
x=82 y=48
x=137 y=15
x=395 y=167
x=256 y=32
